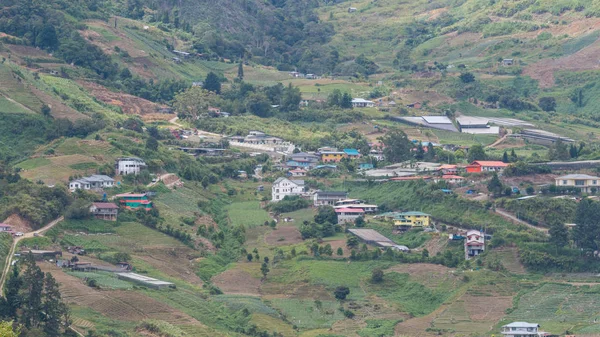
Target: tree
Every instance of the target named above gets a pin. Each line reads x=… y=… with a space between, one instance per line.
x=78 y=210
x=505 y=157
x=12 y=298
x=249 y=257
x=508 y=191
x=212 y=83
x=495 y=185
x=46 y=110
x=530 y=190
x=152 y=144
x=7 y=330
x=340 y=251
x=359 y=222
x=476 y=152
x=264 y=269
x=420 y=153
x=335 y=98
x=346 y=102
x=33 y=283
x=425 y=253
x=47 y=38
x=513 y=156
x=326 y=214
x=559 y=234
x=377 y=275
x=587 y=231
x=352 y=242
x=258 y=104
x=547 y=103
x=194 y=101
x=558 y=151
x=467 y=77
x=341 y=292
x=291 y=98
x=54 y=308
x=397 y=146
x=240 y=74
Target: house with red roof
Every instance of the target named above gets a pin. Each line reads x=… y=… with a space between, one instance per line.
x=135 y=200
x=486 y=166
x=348 y=214
x=104 y=211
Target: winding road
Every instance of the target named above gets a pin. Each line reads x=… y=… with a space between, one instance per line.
x=517 y=220
x=14 y=246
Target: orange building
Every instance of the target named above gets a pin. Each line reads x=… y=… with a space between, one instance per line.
x=486 y=166
x=332 y=156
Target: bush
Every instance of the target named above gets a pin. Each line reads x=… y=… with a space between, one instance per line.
x=341 y=292
x=377 y=275
x=78 y=210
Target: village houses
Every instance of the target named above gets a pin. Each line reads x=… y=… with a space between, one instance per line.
x=474 y=243
x=486 y=166
x=522 y=329
x=129 y=165
x=321 y=198
x=348 y=214
x=409 y=220
x=135 y=200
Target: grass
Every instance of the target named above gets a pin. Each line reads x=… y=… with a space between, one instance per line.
x=34 y=163
x=89 y=226
x=84 y=166
x=575 y=45
x=40 y=242
x=253 y=304
x=248 y=213
x=305 y=314
x=11 y=107
x=16 y=90
x=299 y=216
x=378 y=327
x=272 y=324
x=104 y=280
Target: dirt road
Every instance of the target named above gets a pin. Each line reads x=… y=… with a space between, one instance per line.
x=517 y=220
x=16 y=242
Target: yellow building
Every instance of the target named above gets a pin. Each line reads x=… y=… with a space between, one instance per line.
x=332 y=156
x=409 y=220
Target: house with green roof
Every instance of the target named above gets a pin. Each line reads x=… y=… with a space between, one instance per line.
x=135 y=200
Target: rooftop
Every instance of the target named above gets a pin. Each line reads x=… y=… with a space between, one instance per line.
x=351 y=152
x=489 y=163
x=521 y=325
x=105 y=205
x=135 y=195
x=349 y=210
x=360 y=100
x=412 y=213
x=437 y=119
x=369 y=235
x=577 y=176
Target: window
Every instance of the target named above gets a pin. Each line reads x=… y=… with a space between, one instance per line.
x=564 y=182
x=594 y=182
x=579 y=182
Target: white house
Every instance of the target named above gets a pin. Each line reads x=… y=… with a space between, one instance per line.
x=362 y=103
x=129 y=165
x=522 y=329
x=95 y=181
x=283 y=186
x=474 y=243
x=582 y=181
x=348 y=214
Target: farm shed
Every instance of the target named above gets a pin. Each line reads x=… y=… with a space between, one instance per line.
x=145 y=280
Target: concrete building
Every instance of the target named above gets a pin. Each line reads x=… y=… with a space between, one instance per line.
x=474 y=243
x=283 y=187
x=129 y=165
x=104 y=211
x=362 y=103
x=486 y=166
x=330 y=198
x=93 y=182
x=582 y=181
x=348 y=214
x=522 y=329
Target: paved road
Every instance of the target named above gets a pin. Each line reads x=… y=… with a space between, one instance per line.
x=517 y=220
x=14 y=246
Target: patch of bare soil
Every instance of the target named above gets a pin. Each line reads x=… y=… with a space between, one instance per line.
x=297 y=290
x=175 y=262
x=490 y=308
x=129 y=104
x=534 y=179
x=58 y=109
x=239 y=282
x=284 y=235
x=119 y=305
x=19 y=224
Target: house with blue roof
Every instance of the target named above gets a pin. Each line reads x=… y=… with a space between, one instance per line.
x=352 y=153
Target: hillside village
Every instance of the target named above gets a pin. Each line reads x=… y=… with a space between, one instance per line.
x=299 y=168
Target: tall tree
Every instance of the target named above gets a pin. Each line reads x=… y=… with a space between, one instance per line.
x=291 y=98
x=587 y=231
x=559 y=234
x=420 y=153
x=54 y=308
x=33 y=283
x=558 y=151
x=11 y=294
x=240 y=74
x=505 y=157
x=346 y=102
x=397 y=146
x=513 y=156
x=495 y=185
x=326 y=214
x=430 y=151
x=212 y=83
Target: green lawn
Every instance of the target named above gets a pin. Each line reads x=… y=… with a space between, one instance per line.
x=103 y=279
x=247 y=213
x=305 y=314
x=34 y=163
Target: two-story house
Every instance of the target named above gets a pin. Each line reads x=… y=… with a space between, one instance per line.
x=283 y=187
x=104 y=211
x=332 y=156
x=522 y=329
x=302 y=160
x=135 y=200
x=409 y=220
x=129 y=165
x=486 y=166
x=582 y=181
x=474 y=243
x=348 y=214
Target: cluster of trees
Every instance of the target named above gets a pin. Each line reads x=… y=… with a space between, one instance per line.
x=561 y=151
x=240 y=98
x=33 y=299
x=289 y=204
x=338 y=100
x=324 y=224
